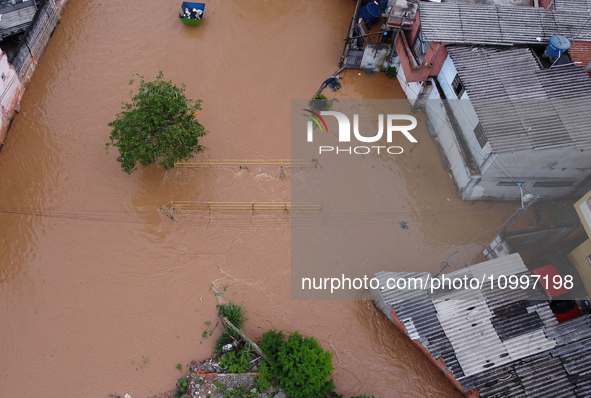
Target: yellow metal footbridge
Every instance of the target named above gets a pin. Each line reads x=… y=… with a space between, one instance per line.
x=248 y=162
x=171 y=207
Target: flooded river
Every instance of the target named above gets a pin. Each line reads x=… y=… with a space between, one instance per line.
x=101 y=294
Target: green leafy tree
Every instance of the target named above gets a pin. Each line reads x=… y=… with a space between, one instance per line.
x=301 y=366
x=158 y=124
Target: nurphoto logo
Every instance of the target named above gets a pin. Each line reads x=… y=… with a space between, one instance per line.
x=345 y=132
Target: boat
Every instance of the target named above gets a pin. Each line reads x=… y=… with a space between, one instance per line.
x=192 y=18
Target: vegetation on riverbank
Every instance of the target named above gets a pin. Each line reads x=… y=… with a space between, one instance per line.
x=279 y=366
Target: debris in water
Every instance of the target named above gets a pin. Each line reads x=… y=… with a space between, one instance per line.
x=333 y=83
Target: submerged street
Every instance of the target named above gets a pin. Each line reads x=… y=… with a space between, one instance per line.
x=102 y=294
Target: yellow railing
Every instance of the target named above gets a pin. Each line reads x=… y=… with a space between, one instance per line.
x=197 y=205
x=249 y=162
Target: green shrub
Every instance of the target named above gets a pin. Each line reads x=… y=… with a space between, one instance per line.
x=182 y=384
x=301 y=366
x=228 y=336
x=320 y=103
x=390 y=72
x=234 y=313
x=272 y=342
x=264 y=378
x=236 y=362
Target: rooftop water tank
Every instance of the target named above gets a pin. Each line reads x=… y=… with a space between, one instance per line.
x=558 y=45
x=370 y=13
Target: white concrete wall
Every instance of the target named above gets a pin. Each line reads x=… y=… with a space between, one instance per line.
x=529 y=167
x=11 y=92
x=464 y=113
x=412 y=90
x=444 y=133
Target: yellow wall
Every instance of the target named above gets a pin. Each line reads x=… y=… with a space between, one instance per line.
x=579 y=259
x=580 y=213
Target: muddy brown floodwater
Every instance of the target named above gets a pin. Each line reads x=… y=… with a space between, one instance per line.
x=101 y=294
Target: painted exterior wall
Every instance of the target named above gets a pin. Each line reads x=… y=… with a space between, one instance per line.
x=579 y=256
x=432 y=63
x=547 y=4
x=434 y=58
x=412 y=89
x=583 y=208
x=412 y=71
x=531 y=167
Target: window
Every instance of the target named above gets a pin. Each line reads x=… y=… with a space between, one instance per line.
x=420 y=48
x=553 y=184
x=458 y=86
x=480 y=135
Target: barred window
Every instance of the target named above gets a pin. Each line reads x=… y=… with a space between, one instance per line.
x=480 y=135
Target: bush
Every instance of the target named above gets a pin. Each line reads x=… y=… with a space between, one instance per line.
x=320 y=103
x=236 y=362
x=264 y=378
x=301 y=366
x=234 y=313
x=228 y=336
x=182 y=385
x=390 y=72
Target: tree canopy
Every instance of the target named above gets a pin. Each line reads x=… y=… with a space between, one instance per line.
x=158 y=124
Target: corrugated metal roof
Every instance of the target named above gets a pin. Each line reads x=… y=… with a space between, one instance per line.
x=522 y=106
x=574 y=351
x=503 y=344
x=16 y=18
x=499 y=382
x=543 y=377
x=468 y=327
x=416 y=306
x=499 y=25
x=567 y=5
